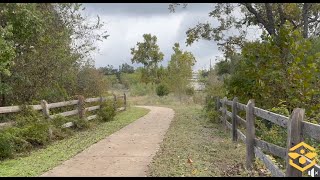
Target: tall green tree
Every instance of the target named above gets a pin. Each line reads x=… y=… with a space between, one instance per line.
x=51 y=44
x=263 y=75
x=180 y=70
x=148 y=53
x=237 y=17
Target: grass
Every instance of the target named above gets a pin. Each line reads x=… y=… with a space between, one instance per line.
x=169 y=100
x=205 y=143
x=42 y=160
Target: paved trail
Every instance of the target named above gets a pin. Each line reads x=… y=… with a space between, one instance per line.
x=124 y=153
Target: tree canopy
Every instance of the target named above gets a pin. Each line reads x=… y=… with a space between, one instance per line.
x=43 y=48
x=148 y=53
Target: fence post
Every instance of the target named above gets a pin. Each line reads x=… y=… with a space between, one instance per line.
x=125 y=101
x=81 y=107
x=234 y=119
x=114 y=102
x=46 y=113
x=294 y=137
x=224 y=112
x=250 y=134
x=217 y=103
x=101 y=100
x=45 y=109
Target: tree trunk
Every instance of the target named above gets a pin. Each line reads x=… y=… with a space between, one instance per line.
x=3 y=97
x=305 y=12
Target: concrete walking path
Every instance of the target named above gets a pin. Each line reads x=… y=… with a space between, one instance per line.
x=127 y=152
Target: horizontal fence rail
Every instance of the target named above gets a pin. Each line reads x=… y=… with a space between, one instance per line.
x=80 y=109
x=63 y=104
x=296 y=127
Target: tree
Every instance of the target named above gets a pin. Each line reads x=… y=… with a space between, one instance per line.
x=108 y=70
x=263 y=75
x=148 y=53
x=90 y=82
x=268 y=16
x=126 y=68
x=180 y=70
x=56 y=39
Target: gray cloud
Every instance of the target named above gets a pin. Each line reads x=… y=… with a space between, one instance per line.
x=126 y=23
x=143 y=9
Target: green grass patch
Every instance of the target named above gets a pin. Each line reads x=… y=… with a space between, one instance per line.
x=42 y=160
x=211 y=150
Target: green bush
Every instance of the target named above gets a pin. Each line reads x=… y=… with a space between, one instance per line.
x=190 y=91
x=6 y=148
x=210 y=109
x=28 y=116
x=59 y=120
x=81 y=124
x=162 y=90
x=142 y=89
x=106 y=112
x=19 y=144
x=36 y=134
x=33 y=127
x=129 y=79
x=57 y=131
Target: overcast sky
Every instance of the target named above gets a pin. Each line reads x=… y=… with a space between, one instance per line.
x=126 y=23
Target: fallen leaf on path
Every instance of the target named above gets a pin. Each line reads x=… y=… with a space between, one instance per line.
x=189 y=160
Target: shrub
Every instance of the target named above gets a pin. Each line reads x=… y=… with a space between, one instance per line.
x=162 y=90
x=6 y=148
x=106 y=112
x=57 y=131
x=129 y=79
x=59 y=120
x=142 y=89
x=28 y=116
x=36 y=134
x=81 y=124
x=210 y=109
x=190 y=91
x=120 y=102
x=19 y=144
x=33 y=127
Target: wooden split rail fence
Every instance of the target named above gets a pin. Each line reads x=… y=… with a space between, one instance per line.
x=296 y=127
x=80 y=110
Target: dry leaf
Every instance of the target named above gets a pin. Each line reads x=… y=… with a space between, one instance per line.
x=194 y=171
x=214 y=150
x=189 y=160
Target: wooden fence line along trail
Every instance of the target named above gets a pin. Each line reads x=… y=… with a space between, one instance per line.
x=296 y=127
x=80 y=110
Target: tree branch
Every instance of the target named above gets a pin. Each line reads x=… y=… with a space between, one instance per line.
x=259 y=17
x=305 y=10
x=270 y=17
x=281 y=14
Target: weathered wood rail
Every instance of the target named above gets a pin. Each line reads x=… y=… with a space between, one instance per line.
x=297 y=129
x=80 y=110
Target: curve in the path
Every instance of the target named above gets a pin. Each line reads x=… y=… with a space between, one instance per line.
x=127 y=152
